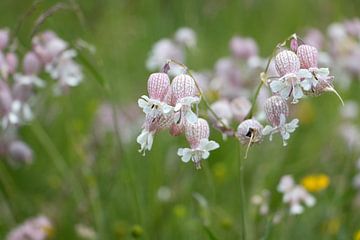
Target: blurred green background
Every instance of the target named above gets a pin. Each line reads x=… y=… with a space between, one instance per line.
x=119 y=192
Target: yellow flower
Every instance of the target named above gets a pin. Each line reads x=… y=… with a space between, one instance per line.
x=316 y=182
x=357 y=235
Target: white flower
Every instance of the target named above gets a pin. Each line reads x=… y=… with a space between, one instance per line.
x=262 y=200
x=19 y=112
x=64 y=69
x=145 y=139
x=284 y=129
x=295 y=195
x=288 y=85
x=149 y=105
x=199 y=153
x=29 y=80
x=184 y=105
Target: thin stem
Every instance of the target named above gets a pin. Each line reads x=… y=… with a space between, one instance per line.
x=242 y=194
x=119 y=144
x=58 y=161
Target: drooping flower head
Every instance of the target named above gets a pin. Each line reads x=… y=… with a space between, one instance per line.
x=277 y=111
x=195 y=132
x=158 y=87
x=198 y=137
x=274 y=107
x=183 y=89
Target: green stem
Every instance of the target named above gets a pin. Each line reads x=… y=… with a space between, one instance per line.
x=242 y=195
x=119 y=144
x=58 y=161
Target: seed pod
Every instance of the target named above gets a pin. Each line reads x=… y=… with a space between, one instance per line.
x=249 y=130
x=308 y=56
x=287 y=62
x=183 y=86
x=158 y=85
x=31 y=64
x=274 y=107
x=195 y=132
x=20 y=152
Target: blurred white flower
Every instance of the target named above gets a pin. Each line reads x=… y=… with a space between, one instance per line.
x=295 y=195
x=186 y=37
x=161 y=52
x=262 y=201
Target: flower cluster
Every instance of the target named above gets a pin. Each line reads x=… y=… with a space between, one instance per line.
x=295 y=195
x=170 y=106
x=37 y=228
x=340 y=48
x=49 y=57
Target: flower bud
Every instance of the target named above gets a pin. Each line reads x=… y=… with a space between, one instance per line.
x=4 y=38
x=249 y=131
x=20 y=152
x=308 y=56
x=195 y=132
x=12 y=62
x=158 y=85
x=294 y=44
x=31 y=64
x=287 y=62
x=5 y=98
x=183 y=86
x=274 y=107
x=186 y=37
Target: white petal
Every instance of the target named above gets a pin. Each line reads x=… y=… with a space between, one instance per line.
x=276 y=86
x=191 y=117
x=205 y=155
x=297 y=92
x=296 y=209
x=304 y=73
x=142 y=103
x=267 y=130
